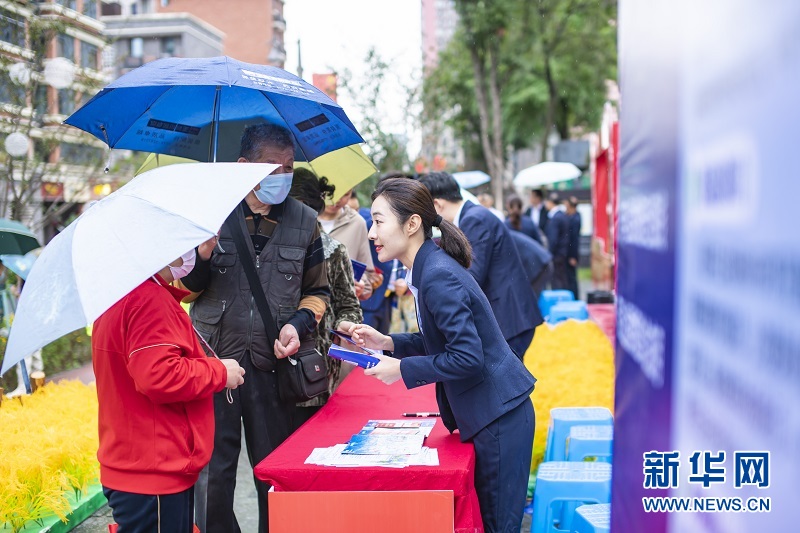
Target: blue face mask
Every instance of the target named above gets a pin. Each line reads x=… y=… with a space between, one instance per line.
x=274 y=188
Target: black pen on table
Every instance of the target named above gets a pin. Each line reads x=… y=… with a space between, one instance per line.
x=420 y=415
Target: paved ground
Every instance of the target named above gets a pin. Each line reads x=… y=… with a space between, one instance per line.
x=245 y=504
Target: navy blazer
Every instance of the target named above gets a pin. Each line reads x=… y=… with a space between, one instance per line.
x=460 y=347
x=526 y=227
x=498 y=269
x=557 y=232
x=574 y=231
x=535 y=257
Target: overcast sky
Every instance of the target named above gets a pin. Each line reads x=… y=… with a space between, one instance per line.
x=336 y=35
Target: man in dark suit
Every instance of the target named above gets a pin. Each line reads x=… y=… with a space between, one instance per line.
x=573 y=256
x=496 y=264
x=537 y=211
x=557 y=232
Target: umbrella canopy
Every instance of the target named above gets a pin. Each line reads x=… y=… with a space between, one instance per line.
x=16 y=238
x=546 y=173
x=197 y=108
x=21 y=264
x=471 y=178
x=119 y=242
x=345 y=168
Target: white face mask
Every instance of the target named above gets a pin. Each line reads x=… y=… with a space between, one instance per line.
x=274 y=188
x=187 y=266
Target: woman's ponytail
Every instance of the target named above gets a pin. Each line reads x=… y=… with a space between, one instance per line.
x=455 y=243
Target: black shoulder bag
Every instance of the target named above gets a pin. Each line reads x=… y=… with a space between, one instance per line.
x=301 y=376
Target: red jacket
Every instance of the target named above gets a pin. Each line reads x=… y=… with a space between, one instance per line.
x=155 y=390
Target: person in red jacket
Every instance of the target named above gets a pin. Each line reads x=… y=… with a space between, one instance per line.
x=155 y=389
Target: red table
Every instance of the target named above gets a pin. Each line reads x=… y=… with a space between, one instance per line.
x=361 y=398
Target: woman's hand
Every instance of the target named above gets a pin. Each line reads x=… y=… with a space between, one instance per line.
x=366 y=336
x=388 y=370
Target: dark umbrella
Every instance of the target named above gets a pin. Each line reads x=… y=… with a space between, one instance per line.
x=15 y=238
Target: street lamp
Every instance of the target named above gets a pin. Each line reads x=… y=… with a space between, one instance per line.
x=16 y=144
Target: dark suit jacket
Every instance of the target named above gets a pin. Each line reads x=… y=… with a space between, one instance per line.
x=498 y=269
x=542 y=216
x=478 y=377
x=535 y=257
x=527 y=227
x=557 y=232
x=574 y=227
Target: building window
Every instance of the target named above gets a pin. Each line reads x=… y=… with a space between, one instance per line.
x=11 y=93
x=164 y=3
x=66 y=46
x=90 y=8
x=88 y=56
x=137 y=47
x=80 y=154
x=40 y=99
x=71 y=4
x=66 y=101
x=168 y=46
x=12 y=28
x=146 y=8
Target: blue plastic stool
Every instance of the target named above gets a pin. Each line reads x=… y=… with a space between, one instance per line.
x=548 y=299
x=592 y=519
x=563 y=418
x=590 y=441
x=564 y=310
x=562 y=482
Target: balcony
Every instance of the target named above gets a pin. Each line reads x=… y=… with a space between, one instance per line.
x=278 y=22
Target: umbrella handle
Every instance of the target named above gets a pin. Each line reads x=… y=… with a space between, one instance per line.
x=228 y=393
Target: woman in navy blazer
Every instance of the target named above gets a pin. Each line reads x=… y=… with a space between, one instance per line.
x=482 y=388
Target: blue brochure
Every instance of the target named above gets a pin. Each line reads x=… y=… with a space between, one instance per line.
x=358 y=269
x=349 y=339
x=361 y=359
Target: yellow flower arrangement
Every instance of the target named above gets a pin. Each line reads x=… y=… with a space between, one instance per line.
x=48 y=448
x=574 y=366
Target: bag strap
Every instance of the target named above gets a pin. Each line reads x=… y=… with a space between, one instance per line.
x=252 y=277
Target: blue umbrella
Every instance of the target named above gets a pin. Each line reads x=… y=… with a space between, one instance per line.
x=197 y=109
x=20 y=264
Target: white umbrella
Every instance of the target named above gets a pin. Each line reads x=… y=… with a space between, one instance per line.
x=471 y=178
x=121 y=241
x=546 y=174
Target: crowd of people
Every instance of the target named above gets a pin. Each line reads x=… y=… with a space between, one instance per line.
x=449 y=295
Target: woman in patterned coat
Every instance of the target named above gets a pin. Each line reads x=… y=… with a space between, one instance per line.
x=312 y=191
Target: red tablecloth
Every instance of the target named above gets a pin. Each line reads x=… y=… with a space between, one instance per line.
x=359 y=399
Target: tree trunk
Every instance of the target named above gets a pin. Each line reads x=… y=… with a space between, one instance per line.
x=483 y=112
x=498 y=180
x=552 y=100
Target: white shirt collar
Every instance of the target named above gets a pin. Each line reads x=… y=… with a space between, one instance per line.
x=458 y=215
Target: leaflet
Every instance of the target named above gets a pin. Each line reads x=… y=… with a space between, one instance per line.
x=370 y=443
x=333 y=456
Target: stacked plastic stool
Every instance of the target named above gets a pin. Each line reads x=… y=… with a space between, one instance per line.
x=565 y=310
x=564 y=482
x=548 y=299
x=592 y=519
x=590 y=441
x=562 y=419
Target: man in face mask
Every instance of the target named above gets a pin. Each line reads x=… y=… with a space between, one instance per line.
x=284 y=244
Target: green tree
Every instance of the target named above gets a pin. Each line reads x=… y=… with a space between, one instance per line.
x=516 y=68
x=387 y=149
